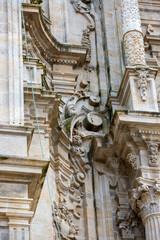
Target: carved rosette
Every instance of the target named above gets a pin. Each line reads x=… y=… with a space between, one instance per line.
x=134 y=48
x=145 y=200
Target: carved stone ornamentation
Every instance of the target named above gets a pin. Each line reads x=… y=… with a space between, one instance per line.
x=134 y=48
x=78 y=154
x=145 y=200
x=129 y=223
x=93 y=122
x=86 y=42
x=131 y=159
x=132 y=33
x=84 y=7
x=64 y=218
x=130 y=16
x=142 y=83
x=153 y=154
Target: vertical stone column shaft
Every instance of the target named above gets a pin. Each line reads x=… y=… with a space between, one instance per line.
x=15 y=78
x=152 y=228
x=132 y=33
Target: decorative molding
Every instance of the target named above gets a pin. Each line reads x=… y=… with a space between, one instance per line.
x=145 y=200
x=51 y=50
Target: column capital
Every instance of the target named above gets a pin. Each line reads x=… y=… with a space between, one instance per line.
x=145 y=200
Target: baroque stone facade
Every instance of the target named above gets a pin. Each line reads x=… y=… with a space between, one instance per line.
x=80 y=120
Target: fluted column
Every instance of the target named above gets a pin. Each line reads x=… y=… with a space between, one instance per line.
x=152 y=227
x=132 y=33
x=147 y=204
x=15 y=64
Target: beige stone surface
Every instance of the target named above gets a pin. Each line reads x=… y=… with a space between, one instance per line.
x=79 y=123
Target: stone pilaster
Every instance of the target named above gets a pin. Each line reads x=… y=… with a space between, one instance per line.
x=19 y=226
x=132 y=33
x=15 y=64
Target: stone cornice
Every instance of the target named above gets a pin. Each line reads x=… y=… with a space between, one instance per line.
x=25 y=170
x=52 y=50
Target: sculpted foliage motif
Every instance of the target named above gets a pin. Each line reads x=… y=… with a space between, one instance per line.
x=64 y=219
x=143 y=84
x=145 y=200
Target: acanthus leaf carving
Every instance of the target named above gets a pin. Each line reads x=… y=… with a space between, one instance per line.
x=145 y=200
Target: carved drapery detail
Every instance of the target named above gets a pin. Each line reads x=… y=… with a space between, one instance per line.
x=134 y=48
